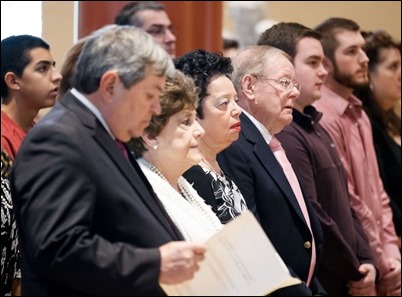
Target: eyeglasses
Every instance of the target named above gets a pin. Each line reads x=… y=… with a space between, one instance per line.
x=160 y=31
x=286 y=84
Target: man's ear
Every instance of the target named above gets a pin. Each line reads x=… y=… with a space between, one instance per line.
x=248 y=86
x=108 y=83
x=328 y=65
x=12 y=81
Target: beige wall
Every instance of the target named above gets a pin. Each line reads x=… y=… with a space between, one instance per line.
x=58 y=27
x=58 y=18
x=370 y=15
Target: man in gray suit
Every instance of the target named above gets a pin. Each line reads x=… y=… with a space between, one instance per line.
x=89 y=222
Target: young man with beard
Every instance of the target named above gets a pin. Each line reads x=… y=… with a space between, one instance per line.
x=349 y=126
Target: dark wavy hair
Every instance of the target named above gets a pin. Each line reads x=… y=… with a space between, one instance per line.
x=202 y=66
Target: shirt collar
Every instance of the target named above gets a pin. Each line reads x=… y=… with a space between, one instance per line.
x=84 y=100
x=264 y=131
x=308 y=118
x=340 y=105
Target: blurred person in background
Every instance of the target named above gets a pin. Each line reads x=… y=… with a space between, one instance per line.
x=380 y=100
x=230 y=47
x=151 y=17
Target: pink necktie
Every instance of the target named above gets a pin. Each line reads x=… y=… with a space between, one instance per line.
x=280 y=155
x=122 y=148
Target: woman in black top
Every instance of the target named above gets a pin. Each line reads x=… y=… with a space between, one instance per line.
x=218 y=113
x=379 y=100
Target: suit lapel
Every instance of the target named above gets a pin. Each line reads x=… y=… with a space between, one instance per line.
x=131 y=172
x=267 y=159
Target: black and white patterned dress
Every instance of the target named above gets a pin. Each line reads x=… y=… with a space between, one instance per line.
x=219 y=191
x=9 y=239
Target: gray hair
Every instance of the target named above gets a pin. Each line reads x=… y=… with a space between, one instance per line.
x=255 y=60
x=125 y=49
x=129 y=14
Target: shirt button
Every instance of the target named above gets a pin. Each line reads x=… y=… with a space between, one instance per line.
x=307 y=245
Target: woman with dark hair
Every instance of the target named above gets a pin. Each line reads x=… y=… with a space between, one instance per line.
x=380 y=99
x=219 y=115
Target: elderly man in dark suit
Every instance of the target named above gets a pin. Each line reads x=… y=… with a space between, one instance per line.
x=264 y=80
x=88 y=219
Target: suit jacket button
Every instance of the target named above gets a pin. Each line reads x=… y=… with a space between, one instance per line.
x=307 y=245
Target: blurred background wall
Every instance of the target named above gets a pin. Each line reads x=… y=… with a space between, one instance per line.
x=61 y=31
x=370 y=15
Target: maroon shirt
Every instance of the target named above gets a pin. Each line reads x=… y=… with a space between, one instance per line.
x=322 y=176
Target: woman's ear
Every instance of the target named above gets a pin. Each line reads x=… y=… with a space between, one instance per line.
x=150 y=142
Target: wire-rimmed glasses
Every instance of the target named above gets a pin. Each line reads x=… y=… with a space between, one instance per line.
x=286 y=83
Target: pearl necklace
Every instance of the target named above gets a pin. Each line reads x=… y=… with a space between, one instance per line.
x=153 y=168
x=204 y=209
x=181 y=187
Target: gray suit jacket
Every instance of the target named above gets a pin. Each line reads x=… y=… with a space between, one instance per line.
x=89 y=221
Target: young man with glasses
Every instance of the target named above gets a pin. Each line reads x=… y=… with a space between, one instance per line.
x=264 y=79
x=153 y=19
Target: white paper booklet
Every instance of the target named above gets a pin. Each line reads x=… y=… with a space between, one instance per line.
x=240 y=261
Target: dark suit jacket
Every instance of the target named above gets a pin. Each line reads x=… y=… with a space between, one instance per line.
x=89 y=221
x=269 y=196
